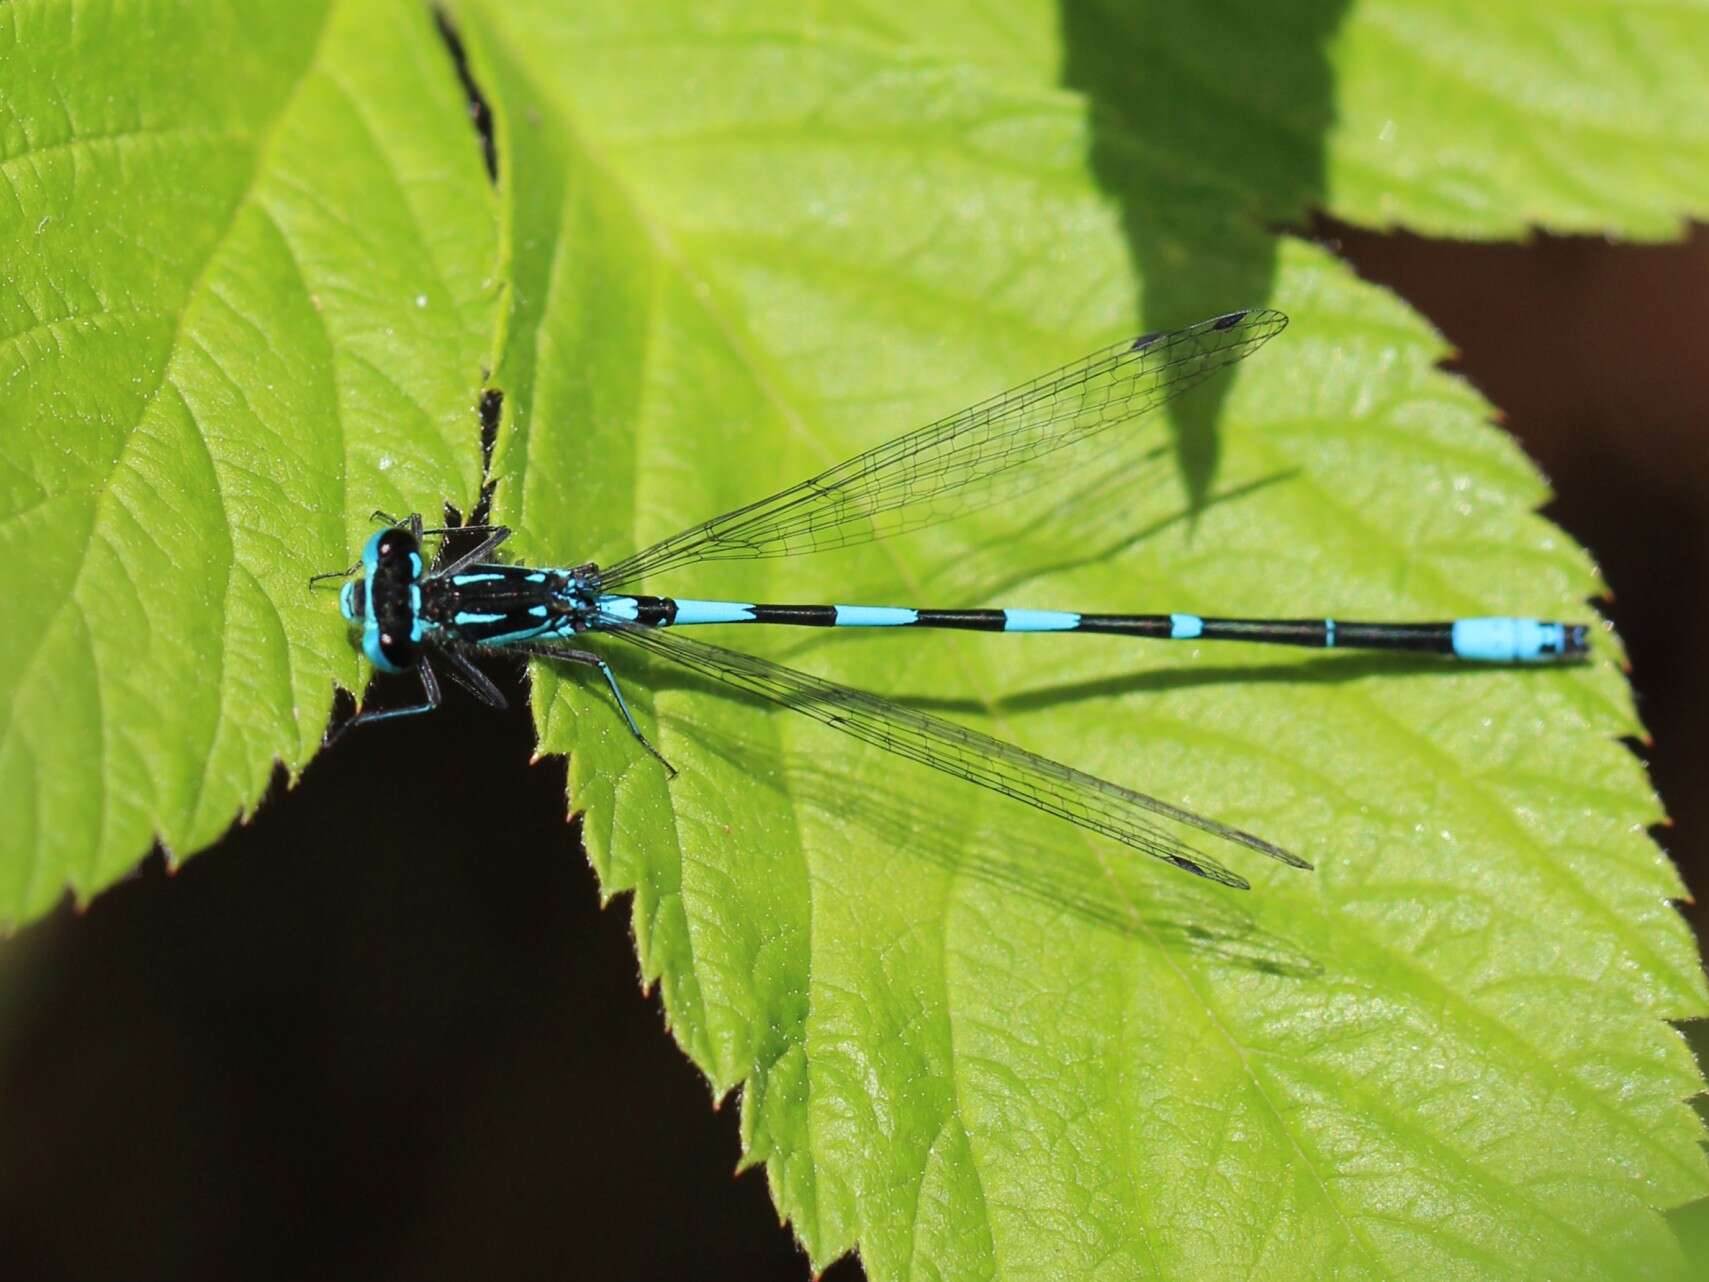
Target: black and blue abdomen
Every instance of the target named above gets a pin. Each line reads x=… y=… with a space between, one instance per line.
x=1493 y=640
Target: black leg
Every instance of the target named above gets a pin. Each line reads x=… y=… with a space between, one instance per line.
x=335 y=574
x=460 y=529
x=412 y=522
x=589 y=659
x=496 y=534
x=474 y=680
x=430 y=701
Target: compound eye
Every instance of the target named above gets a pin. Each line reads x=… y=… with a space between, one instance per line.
x=399 y=652
x=397 y=547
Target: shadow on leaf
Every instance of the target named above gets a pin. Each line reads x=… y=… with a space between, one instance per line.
x=1208 y=125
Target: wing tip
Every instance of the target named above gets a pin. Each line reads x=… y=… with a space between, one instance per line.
x=1267 y=319
x=1208 y=870
x=1287 y=857
x=1270 y=848
x=1260 y=323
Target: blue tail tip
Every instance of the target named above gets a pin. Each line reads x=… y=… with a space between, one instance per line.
x=1504 y=640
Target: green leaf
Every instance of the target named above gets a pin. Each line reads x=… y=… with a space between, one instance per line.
x=1480 y=119
x=1453 y=117
x=969 y=1041
x=252 y=275
x=249 y=285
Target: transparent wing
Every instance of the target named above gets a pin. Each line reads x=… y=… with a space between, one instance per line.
x=1146 y=824
x=981 y=456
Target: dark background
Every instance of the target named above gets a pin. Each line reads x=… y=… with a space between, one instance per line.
x=363 y=1038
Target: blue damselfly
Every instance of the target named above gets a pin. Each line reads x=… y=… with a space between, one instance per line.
x=408 y=610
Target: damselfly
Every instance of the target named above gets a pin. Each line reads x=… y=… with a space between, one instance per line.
x=469 y=603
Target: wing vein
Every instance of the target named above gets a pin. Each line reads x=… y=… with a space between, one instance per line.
x=986 y=454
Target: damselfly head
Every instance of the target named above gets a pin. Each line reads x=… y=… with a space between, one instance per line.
x=386 y=600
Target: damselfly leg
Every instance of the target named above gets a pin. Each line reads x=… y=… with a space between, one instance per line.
x=476 y=682
x=588 y=658
x=431 y=700
x=495 y=535
x=335 y=574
